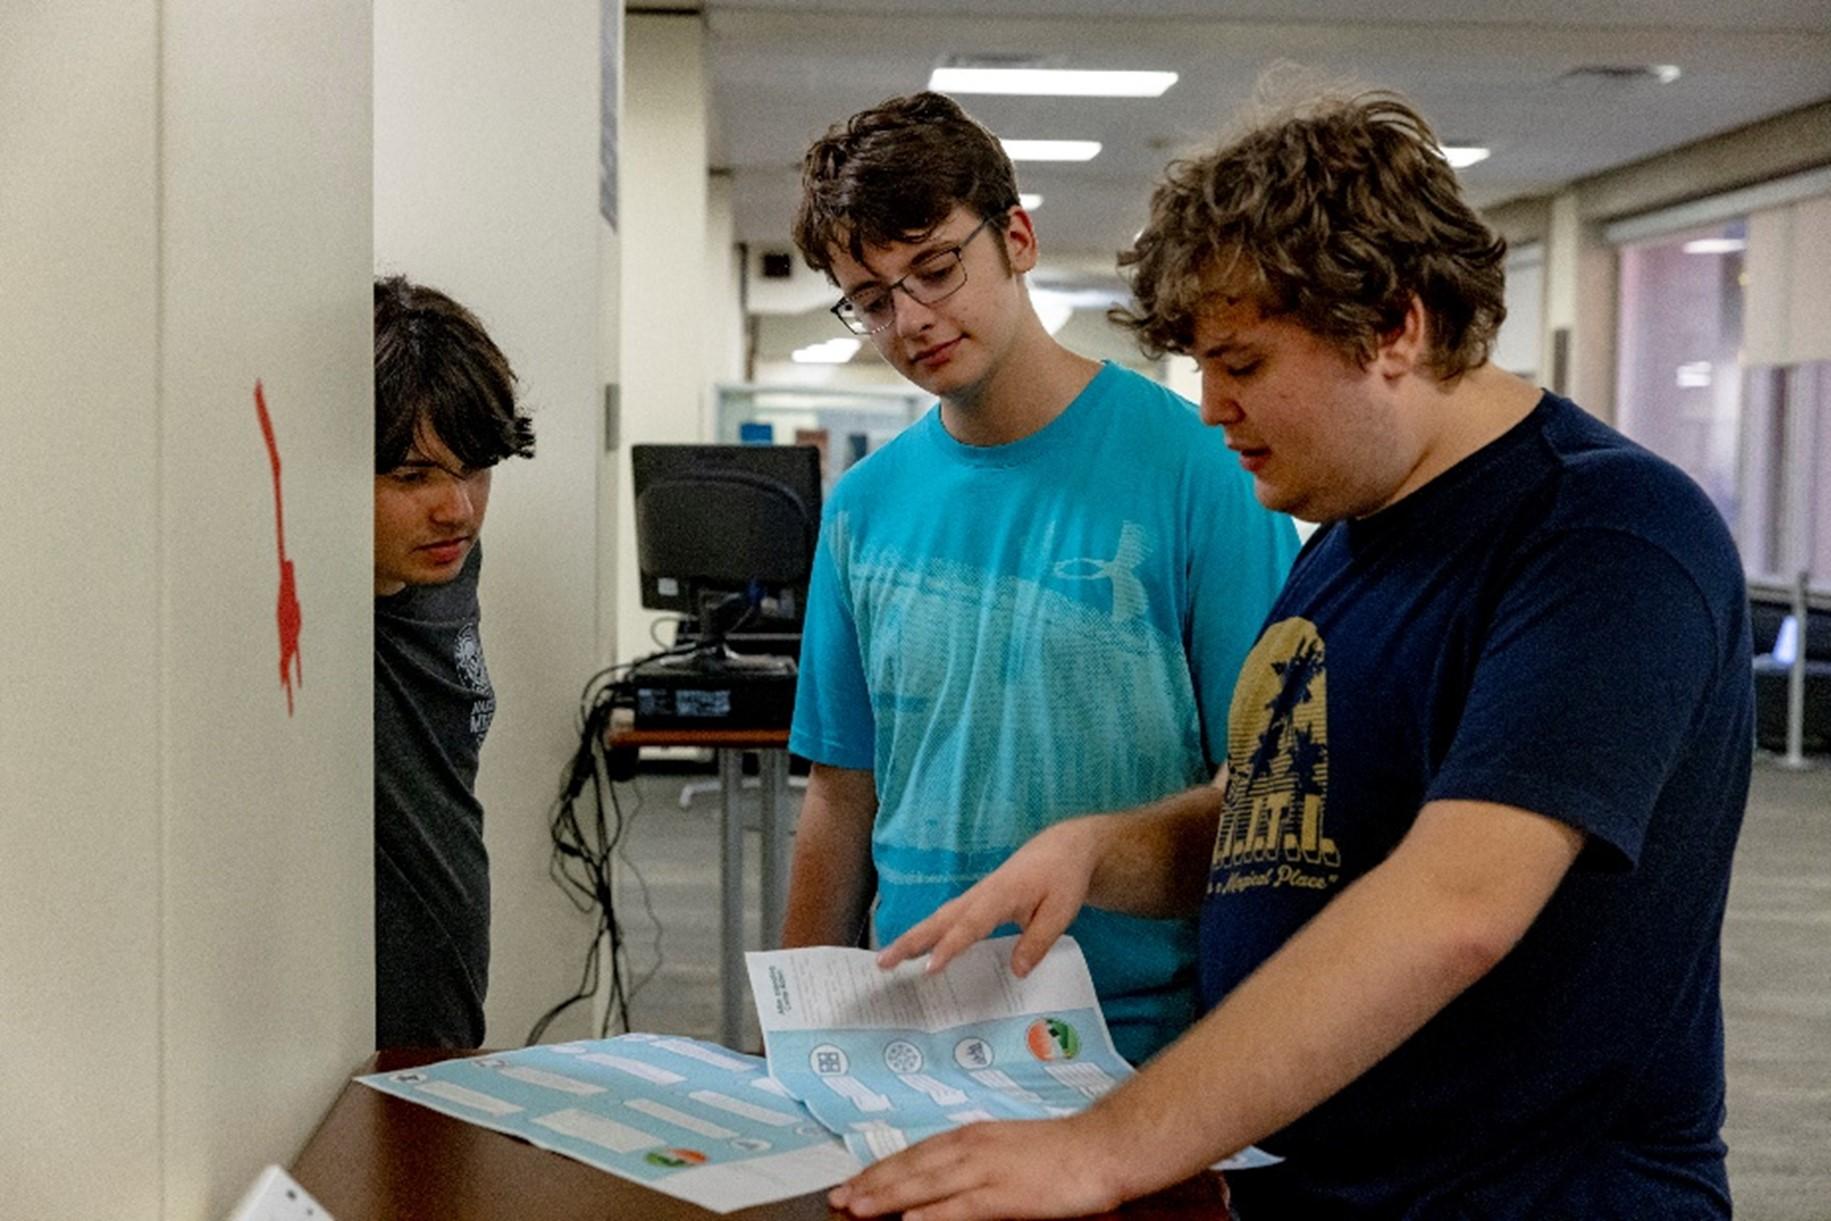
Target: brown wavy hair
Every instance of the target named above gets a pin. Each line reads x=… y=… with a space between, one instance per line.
x=1335 y=213
x=893 y=173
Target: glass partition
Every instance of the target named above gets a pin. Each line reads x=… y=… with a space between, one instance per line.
x=845 y=423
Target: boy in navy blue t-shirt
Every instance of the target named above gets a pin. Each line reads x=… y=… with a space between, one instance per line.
x=1487 y=761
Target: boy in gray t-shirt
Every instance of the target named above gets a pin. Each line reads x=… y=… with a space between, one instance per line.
x=445 y=413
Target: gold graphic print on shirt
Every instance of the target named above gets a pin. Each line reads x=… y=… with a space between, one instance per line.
x=1272 y=832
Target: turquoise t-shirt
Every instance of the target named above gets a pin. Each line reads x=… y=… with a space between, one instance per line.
x=1011 y=635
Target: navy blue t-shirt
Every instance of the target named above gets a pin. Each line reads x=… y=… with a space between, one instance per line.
x=1557 y=623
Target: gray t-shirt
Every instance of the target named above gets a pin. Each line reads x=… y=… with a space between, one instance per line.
x=433 y=705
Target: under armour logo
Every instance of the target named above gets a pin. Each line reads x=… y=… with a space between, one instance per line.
x=1121 y=570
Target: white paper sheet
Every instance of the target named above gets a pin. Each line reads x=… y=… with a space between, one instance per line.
x=689 y=1119
x=887 y=1058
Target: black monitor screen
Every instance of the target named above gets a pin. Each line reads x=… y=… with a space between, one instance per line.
x=722 y=519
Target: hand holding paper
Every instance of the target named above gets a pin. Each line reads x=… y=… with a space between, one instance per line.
x=1041 y=889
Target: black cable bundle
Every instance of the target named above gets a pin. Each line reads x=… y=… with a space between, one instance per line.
x=584 y=850
x=584 y=853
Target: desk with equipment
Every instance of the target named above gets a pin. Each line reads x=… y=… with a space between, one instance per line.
x=726 y=534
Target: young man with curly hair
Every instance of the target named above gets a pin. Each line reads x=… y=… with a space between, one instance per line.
x=445 y=414
x=1029 y=605
x=1461 y=910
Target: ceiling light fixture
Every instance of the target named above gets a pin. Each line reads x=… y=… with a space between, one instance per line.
x=1461 y=156
x=1623 y=75
x=1052 y=82
x=1051 y=150
x=830 y=352
x=1029 y=202
x=1716 y=245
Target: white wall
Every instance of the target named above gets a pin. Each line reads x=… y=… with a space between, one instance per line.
x=609 y=349
x=610 y=480
x=663 y=209
x=726 y=337
x=72 y=80
x=486 y=187
x=1517 y=346
x=184 y=890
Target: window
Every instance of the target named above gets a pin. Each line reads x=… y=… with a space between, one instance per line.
x=1719 y=371
x=1678 y=373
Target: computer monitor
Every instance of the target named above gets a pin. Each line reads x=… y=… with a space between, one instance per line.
x=727 y=529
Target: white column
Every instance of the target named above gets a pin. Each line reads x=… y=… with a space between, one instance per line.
x=663 y=212
x=724 y=311
x=79 y=594
x=1580 y=299
x=486 y=187
x=268 y=972
x=184 y=893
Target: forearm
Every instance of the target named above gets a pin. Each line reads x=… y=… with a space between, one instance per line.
x=831 y=881
x=1151 y=861
x=1154 y=861
x=1356 y=982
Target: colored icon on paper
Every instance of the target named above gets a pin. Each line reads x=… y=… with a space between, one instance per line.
x=973 y=1052
x=675 y=1159
x=903 y=1056
x=1052 y=1039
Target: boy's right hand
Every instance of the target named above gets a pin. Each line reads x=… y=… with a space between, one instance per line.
x=1040 y=888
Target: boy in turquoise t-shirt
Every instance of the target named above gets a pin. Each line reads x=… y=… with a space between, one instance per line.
x=1030 y=605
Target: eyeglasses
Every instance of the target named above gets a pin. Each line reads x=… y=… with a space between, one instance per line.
x=940 y=275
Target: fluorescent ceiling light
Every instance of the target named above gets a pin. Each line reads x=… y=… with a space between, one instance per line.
x=831 y=352
x=1716 y=245
x=1051 y=150
x=1461 y=156
x=1029 y=202
x=1665 y=74
x=1052 y=82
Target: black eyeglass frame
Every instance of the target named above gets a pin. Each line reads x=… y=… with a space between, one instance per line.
x=856 y=324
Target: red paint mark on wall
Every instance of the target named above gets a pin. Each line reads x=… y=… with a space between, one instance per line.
x=291 y=669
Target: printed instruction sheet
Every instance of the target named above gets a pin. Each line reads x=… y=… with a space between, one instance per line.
x=886 y=1058
x=684 y=1117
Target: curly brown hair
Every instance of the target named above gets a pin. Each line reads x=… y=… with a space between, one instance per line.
x=1337 y=212
x=893 y=173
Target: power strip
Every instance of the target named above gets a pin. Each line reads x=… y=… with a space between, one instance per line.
x=276 y=1197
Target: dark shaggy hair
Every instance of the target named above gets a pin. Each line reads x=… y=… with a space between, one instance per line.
x=438 y=371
